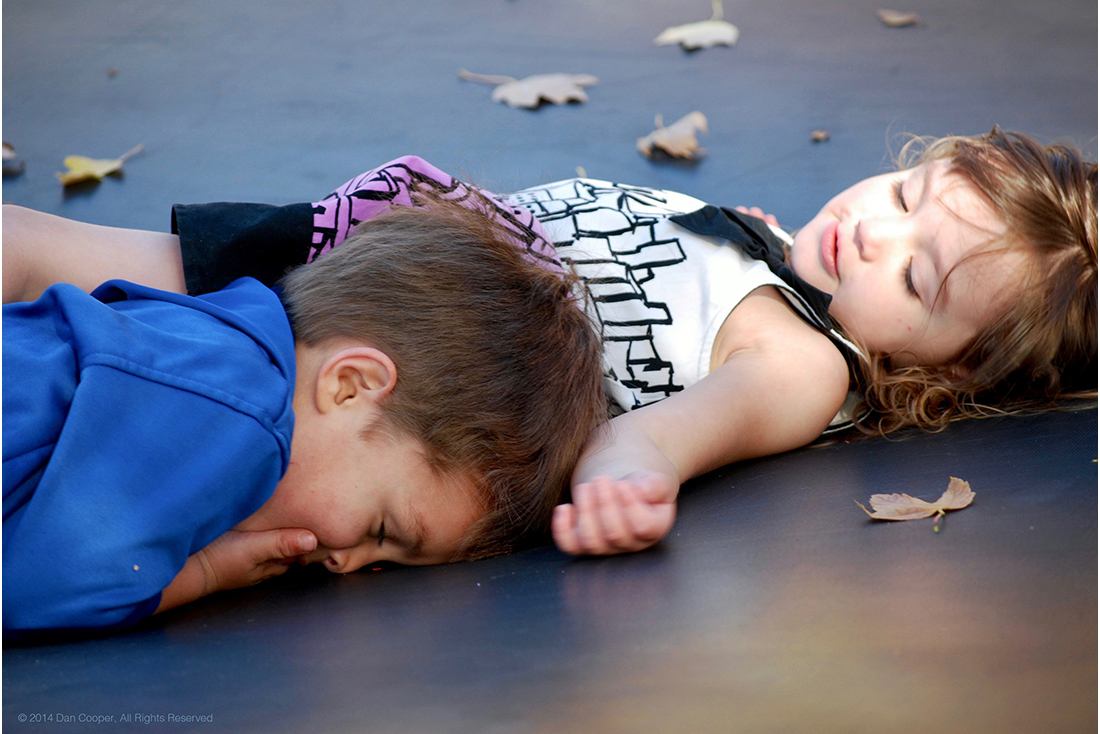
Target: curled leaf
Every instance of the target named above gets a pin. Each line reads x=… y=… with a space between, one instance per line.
x=903 y=507
x=13 y=164
x=702 y=34
x=533 y=90
x=82 y=168
x=678 y=139
x=896 y=18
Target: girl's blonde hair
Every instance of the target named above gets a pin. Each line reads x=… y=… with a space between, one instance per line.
x=1040 y=350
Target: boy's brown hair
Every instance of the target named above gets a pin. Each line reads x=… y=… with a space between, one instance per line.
x=498 y=366
x=1041 y=349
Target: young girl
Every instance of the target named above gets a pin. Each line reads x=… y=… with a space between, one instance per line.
x=962 y=285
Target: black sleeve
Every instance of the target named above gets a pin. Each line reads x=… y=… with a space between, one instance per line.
x=221 y=242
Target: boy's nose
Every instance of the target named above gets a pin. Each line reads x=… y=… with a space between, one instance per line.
x=336 y=562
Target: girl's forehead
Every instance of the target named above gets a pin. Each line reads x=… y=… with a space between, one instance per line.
x=962 y=221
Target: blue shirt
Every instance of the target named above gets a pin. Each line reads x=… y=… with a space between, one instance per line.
x=139 y=425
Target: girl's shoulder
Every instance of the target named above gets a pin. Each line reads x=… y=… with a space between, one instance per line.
x=766 y=325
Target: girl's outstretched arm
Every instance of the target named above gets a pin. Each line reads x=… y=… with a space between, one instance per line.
x=42 y=249
x=778 y=384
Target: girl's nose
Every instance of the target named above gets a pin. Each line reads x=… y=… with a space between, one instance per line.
x=874 y=236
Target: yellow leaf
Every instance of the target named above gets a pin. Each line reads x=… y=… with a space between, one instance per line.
x=531 y=91
x=702 y=34
x=678 y=139
x=903 y=507
x=82 y=168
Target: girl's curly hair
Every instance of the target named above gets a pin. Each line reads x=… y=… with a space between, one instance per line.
x=1040 y=349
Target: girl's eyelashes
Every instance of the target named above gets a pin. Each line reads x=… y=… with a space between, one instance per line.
x=909 y=280
x=899 y=196
x=381 y=533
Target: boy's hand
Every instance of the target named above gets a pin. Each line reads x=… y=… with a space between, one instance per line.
x=759 y=213
x=234 y=559
x=239 y=558
x=622 y=516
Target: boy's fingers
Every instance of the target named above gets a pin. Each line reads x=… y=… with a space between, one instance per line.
x=271 y=570
x=290 y=543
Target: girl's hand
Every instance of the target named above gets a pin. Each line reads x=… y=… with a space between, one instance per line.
x=235 y=559
x=609 y=516
x=758 y=212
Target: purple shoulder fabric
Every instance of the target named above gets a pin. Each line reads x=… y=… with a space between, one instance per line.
x=388 y=185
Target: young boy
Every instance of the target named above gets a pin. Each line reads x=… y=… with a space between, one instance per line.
x=421 y=399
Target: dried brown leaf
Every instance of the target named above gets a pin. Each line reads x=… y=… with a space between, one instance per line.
x=819 y=136
x=903 y=507
x=13 y=164
x=896 y=18
x=82 y=168
x=702 y=34
x=678 y=139
x=533 y=90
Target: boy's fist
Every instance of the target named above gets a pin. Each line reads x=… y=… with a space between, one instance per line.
x=609 y=516
x=239 y=558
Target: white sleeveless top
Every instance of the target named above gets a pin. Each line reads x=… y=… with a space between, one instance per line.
x=659 y=292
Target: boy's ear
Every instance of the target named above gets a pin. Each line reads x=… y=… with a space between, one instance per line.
x=355 y=376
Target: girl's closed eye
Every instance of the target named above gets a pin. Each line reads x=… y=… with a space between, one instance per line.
x=908 y=277
x=899 y=195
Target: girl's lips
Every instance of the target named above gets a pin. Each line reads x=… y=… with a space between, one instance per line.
x=829 y=249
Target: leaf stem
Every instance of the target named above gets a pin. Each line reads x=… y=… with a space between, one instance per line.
x=132 y=152
x=484 y=78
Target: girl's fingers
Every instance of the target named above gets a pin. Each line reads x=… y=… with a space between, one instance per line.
x=615 y=533
x=758 y=212
x=648 y=523
x=586 y=527
x=615 y=517
x=654 y=487
x=561 y=527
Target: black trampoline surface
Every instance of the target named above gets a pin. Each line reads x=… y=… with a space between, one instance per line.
x=775 y=605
